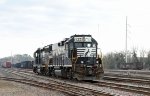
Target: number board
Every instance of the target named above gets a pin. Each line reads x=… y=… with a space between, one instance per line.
x=82 y=39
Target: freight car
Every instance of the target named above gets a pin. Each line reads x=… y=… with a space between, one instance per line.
x=24 y=65
x=134 y=66
x=6 y=64
x=75 y=57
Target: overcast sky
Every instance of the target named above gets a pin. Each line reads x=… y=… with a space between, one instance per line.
x=26 y=25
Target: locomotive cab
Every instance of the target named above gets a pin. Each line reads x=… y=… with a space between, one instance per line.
x=86 y=64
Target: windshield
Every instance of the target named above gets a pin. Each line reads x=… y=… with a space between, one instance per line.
x=77 y=45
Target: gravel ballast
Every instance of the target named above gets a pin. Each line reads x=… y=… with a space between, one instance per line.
x=8 y=88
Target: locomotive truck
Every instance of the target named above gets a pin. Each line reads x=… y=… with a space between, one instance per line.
x=75 y=57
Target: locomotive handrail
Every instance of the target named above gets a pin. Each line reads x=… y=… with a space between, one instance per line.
x=74 y=60
x=99 y=54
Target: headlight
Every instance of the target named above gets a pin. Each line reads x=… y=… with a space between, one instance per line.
x=82 y=62
x=97 y=62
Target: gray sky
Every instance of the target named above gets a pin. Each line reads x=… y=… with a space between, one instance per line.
x=26 y=25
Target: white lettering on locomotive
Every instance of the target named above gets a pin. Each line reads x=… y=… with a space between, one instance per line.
x=82 y=39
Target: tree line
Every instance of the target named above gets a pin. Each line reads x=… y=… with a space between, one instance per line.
x=113 y=59
x=16 y=58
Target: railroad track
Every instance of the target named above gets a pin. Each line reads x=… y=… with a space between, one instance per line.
x=23 y=70
x=125 y=79
x=124 y=87
x=128 y=74
x=144 y=72
x=58 y=86
x=117 y=86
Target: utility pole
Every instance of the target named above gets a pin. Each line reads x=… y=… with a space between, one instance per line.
x=98 y=33
x=11 y=58
x=126 y=40
x=100 y=53
x=98 y=28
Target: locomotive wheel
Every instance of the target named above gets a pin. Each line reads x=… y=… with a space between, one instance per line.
x=64 y=73
x=49 y=73
x=70 y=74
x=53 y=73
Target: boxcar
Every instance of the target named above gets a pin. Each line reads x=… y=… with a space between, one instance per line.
x=6 y=64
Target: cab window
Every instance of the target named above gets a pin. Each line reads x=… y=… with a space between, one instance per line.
x=78 y=45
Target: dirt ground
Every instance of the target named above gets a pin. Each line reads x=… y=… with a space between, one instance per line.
x=8 y=88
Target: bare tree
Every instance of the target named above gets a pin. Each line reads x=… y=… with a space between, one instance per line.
x=147 y=64
x=142 y=57
x=112 y=60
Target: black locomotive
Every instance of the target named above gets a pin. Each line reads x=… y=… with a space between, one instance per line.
x=74 y=57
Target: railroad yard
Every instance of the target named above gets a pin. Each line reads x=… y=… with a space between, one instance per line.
x=74 y=48
x=23 y=82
